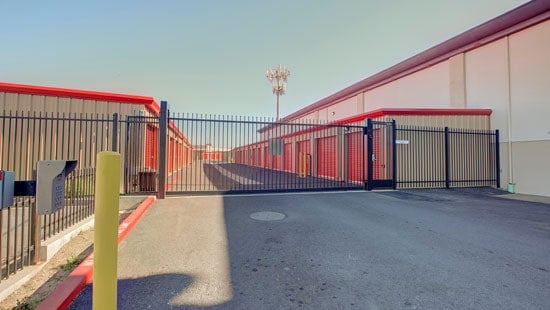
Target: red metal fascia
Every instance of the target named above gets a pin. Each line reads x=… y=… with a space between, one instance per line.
x=148 y=102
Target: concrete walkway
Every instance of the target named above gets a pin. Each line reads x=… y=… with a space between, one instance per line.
x=429 y=249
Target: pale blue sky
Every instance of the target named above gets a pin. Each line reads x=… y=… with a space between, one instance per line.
x=211 y=56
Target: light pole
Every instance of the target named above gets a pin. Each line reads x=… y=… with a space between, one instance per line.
x=278 y=77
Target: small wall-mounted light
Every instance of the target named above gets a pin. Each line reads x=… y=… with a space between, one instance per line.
x=332 y=113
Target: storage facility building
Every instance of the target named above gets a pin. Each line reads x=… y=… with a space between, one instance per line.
x=502 y=65
x=41 y=123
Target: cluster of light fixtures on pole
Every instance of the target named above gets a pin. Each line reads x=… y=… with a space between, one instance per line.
x=278 y=77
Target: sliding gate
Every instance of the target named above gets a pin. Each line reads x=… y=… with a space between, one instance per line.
x=245 y=154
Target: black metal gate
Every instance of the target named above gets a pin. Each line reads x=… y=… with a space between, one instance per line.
x=218 y=154
x=381 y=155
x=141 y=153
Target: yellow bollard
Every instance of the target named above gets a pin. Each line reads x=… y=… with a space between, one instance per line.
x=106 y=229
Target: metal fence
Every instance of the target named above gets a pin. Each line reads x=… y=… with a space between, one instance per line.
x=239 y=154
x=445 y=158
x=25 y=139
x=246 y=154
x=198 y=153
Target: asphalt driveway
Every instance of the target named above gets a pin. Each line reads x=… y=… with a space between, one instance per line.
x=418 y=249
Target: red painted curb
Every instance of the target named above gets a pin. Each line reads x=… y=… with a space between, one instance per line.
x=70 y=288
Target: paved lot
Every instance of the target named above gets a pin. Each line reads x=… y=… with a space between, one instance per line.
x=223 y=177
x=429 y=249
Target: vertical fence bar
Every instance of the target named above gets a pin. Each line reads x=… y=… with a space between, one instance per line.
x=497 y=156
x=447 y=163
x=394 y=154
x=114 y=146
x=8 y=234
x=163 y=128
x=370 y=151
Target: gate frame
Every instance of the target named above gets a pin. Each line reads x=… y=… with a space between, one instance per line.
x=370 y=182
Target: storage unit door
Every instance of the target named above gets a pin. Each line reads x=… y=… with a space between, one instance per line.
x=288 y=157
x=151 y=140
x=304 y=148
x=355 y=156
x=326 y=157
x=277 y=162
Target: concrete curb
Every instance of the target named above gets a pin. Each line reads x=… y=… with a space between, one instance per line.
x=68 y=290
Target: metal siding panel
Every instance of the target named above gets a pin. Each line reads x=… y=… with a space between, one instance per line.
x=452 y=121
x=10 y=101
x=76 y=106
x=63 y=105
x=24 y=103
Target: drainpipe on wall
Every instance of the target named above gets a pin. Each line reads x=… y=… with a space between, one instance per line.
x=511 y=184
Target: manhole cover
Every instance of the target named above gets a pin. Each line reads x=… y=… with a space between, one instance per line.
x=267 y=216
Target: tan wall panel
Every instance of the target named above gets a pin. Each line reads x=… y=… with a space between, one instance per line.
x=24 y=103
x=10 y=101
x=64 y=106
x=342 y=109
x=88 y=107
x=531 y=168
x=457 y=85
x=530 y=83
x=50 y=104
x=452 y=121
x=76 y=106
x=37 y=104
x=428 y=88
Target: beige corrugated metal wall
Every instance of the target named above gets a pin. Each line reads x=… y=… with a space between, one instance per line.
x=46 y=145
x=39 y=103
x=421 y=156
x=452 y=121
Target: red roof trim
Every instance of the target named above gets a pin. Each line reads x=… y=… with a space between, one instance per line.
x=524 y=16
x=148 y=102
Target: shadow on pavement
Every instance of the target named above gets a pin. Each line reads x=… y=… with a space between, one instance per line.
x=148 y=289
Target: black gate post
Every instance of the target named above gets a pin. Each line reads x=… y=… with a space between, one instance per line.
x=128 y=165
x=114 y=143
x=370 y=151
x=447 y=164
x=394 y=154
x=497 y=156
x=163 y=131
